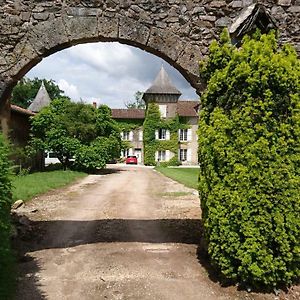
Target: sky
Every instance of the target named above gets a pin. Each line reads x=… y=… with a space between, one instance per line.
x=107 y=73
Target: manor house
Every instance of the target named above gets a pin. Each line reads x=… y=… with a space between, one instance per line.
x=166 y=96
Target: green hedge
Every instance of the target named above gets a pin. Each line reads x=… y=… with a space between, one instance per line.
x=6 y=258
x=249 y=153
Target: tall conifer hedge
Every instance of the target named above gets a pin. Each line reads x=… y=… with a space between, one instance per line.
x=249 y=154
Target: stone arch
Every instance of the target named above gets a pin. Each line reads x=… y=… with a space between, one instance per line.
x=178 y=31
x=51 y=36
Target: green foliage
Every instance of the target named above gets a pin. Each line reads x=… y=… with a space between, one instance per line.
x=249 y=153
x=30 y=185
x=186 y=176
x=96 y=155
x=153 y=122
x=26 y=89
x=138 y=101
x=6 y=258
x=74 y=130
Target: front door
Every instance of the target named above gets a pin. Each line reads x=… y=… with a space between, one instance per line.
x=138 y=154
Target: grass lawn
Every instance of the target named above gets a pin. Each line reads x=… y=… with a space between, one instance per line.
x=186 y=176
x=27 y=186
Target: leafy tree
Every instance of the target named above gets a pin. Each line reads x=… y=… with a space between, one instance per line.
x=138 y=101
x=26 y=89
x=74 y=130
x=249 y=153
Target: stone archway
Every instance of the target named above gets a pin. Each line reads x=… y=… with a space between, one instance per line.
x=177 y=31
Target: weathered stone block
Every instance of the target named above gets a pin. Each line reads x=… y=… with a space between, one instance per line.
x=83 y=28
x=133 y=31
x=107 y=27
x=294 y=9
x=284 y=2
x=165 y=43
x=223 y=22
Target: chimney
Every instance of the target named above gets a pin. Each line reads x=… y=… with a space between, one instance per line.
x=95 y=104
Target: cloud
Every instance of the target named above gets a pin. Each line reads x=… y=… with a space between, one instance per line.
x=70 y=89
x=107 y=73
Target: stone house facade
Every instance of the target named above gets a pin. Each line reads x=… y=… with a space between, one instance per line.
x=166 y=96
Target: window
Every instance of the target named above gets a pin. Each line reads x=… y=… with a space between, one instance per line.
x=183 y=154
x=163 y=110
x=162 y=134
x=140 y=135
x=125 y=135
x=125 y=153
x=183 y=135
x=161 y=155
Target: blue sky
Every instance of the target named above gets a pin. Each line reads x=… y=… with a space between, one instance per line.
x=107 y=73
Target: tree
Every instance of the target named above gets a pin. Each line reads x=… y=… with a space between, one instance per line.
x=26 y=89
x=76 y=130
x=138 y=101
x=249 y=153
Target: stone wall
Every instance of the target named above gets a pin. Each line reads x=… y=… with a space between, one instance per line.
x=177 y=31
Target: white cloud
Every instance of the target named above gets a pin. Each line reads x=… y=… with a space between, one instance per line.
x=107 y=73
x=70 y=89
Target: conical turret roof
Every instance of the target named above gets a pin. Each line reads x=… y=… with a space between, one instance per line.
x=41 y=99
x=163 y=85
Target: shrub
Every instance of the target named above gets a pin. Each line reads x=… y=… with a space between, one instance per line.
x=6 y=273
x=249 y=153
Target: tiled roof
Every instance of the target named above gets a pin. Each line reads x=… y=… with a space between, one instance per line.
x=188 y=108
x=130 y=113
x=163 y=85
x=41 y=100
x=21 y=110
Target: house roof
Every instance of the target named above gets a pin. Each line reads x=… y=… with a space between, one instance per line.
x=41 y=99
x=184 y=109
x=188 y=108
x=162 y=85
x=247 y=19
x=131 y=113
x=21 y=110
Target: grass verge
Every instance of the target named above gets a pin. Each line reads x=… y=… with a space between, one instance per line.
x=186 y=176
x=27 y=186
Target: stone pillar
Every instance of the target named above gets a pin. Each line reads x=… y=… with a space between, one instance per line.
x=5 y=93
x=5 y=116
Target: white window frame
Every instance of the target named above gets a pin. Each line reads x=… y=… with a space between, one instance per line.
x=163 y=110
x=183 y=154
x=125 y=135
x=183 y=135
x=162 y=134
x=161 y=155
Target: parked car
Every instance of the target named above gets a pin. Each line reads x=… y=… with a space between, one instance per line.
x=131 y=160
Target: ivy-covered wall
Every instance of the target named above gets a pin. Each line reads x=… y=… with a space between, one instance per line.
x=154 y=122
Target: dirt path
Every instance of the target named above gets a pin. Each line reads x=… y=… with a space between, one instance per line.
x=129 y=234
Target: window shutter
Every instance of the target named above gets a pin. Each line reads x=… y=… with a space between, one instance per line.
x=167 y=135
x=189 y=135
x=189 y=155
x=121 y=134
x=167 y=155
x=156 y=155
x=131 y=136
x=141 y=135
x=156 y=134
x=178 y=134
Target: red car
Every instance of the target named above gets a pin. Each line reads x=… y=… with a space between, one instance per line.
x=131 y=160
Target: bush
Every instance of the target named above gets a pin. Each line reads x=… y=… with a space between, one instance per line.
x=249 y=153
x=6 y=260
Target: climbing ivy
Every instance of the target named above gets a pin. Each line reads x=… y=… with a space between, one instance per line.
x=154 y=122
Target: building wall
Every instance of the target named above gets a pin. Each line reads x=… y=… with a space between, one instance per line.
x=19 y=128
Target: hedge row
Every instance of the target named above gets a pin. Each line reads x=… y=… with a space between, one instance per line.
x=249 y=153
